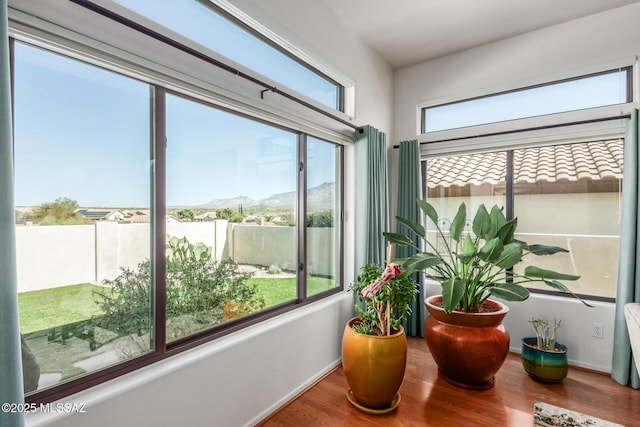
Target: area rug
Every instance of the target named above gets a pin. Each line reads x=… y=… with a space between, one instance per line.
x=545 y=415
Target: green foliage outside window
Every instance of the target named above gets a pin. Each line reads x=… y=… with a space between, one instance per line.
x=61 y=212
x=200 y=292
x=186 y=214
x=320 y=219
x=230 y=214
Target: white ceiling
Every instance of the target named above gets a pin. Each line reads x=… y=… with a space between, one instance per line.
x=407 y=32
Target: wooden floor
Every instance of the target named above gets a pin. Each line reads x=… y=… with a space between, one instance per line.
x=428 y=400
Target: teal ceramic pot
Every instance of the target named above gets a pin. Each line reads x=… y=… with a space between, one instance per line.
x=544 y=366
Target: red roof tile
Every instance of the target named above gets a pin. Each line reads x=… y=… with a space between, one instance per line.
x=574 y=162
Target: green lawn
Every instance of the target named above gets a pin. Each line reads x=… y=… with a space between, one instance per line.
x=40 y=310
x=277 y=290
x=56 y=306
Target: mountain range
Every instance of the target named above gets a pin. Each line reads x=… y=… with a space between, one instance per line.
x=321 y=196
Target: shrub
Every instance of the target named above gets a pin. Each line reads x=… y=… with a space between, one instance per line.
x=274 y=269
x=320 y=219
x=196 y=286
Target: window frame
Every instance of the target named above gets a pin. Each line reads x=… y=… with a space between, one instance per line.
x=627 y=69
x=580 y=126
x=509 y=207
x=244 y=21
x=148 y=27
x=160 y=348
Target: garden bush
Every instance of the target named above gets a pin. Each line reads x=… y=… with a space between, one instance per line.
x=198 y=288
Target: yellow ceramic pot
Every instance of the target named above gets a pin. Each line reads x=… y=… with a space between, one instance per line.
x=374 y=366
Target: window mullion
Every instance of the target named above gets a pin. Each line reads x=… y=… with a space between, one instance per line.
x=302 y=215
x=509 y=186
x=159 y=213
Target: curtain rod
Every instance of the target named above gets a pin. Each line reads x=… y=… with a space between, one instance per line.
x=508 y=132
x=193 y=52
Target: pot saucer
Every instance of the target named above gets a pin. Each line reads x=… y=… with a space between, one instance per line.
x=374 y=411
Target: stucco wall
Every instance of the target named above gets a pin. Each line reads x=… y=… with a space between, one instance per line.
x=54 y=256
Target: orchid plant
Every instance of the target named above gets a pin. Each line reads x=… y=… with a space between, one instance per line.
x=386 y=295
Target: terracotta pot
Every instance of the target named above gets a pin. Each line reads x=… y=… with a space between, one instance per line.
x=543 y=365
x=374 y=366
x=469 y=348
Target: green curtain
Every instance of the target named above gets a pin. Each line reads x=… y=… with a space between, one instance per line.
x=623 y=369
x=372 y=194
x=11 y=390
x=410 y=190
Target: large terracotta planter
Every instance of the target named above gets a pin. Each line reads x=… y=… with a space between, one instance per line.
x=548 y=366
x=374 y=368
x=469 y=348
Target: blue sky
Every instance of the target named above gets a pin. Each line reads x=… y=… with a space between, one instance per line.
x=200 y=24
x=595 y=91
x=83 y=133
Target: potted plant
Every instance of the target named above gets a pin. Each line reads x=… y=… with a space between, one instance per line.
x=464 y=332
x=374 y=345
x=543 y=358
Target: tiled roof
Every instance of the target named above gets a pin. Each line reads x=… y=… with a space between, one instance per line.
x=574 y=162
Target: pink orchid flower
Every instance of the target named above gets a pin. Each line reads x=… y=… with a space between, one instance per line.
x=371 y=289
x=390 y=272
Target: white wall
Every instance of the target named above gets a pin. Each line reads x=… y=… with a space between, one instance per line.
x=568 y=49
x=40 y=254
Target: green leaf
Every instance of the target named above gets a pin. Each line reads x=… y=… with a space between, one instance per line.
x=510 y=256
x=465 y=258
x=510 y=292
x=398 y=239
x=559 y=286
x=468 y=250
x=497 y=221
x=428 y=210
x=481 y=222
x=491 y=250
x=414 y=226
x=545 y=250
x=452 y=291
x=422 y=261
x=533 y=271
x=505 y=233
x=458 y=223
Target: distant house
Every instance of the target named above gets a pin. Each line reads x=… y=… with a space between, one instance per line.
x=102 y=215
x=137 y=216
x=207 y=216
x=172 y=219
x=22 y=213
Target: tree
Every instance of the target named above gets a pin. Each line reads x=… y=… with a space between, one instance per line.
x=61 y=212
x=186 y=214
x=228 y=213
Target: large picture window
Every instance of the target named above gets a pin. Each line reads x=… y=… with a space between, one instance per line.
x=563 y=195
x=82 y=177
x=148 y=222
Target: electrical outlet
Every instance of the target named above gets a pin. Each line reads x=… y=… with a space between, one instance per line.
x=597 y=330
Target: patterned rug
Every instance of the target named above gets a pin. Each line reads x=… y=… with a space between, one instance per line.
x=545 y=415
